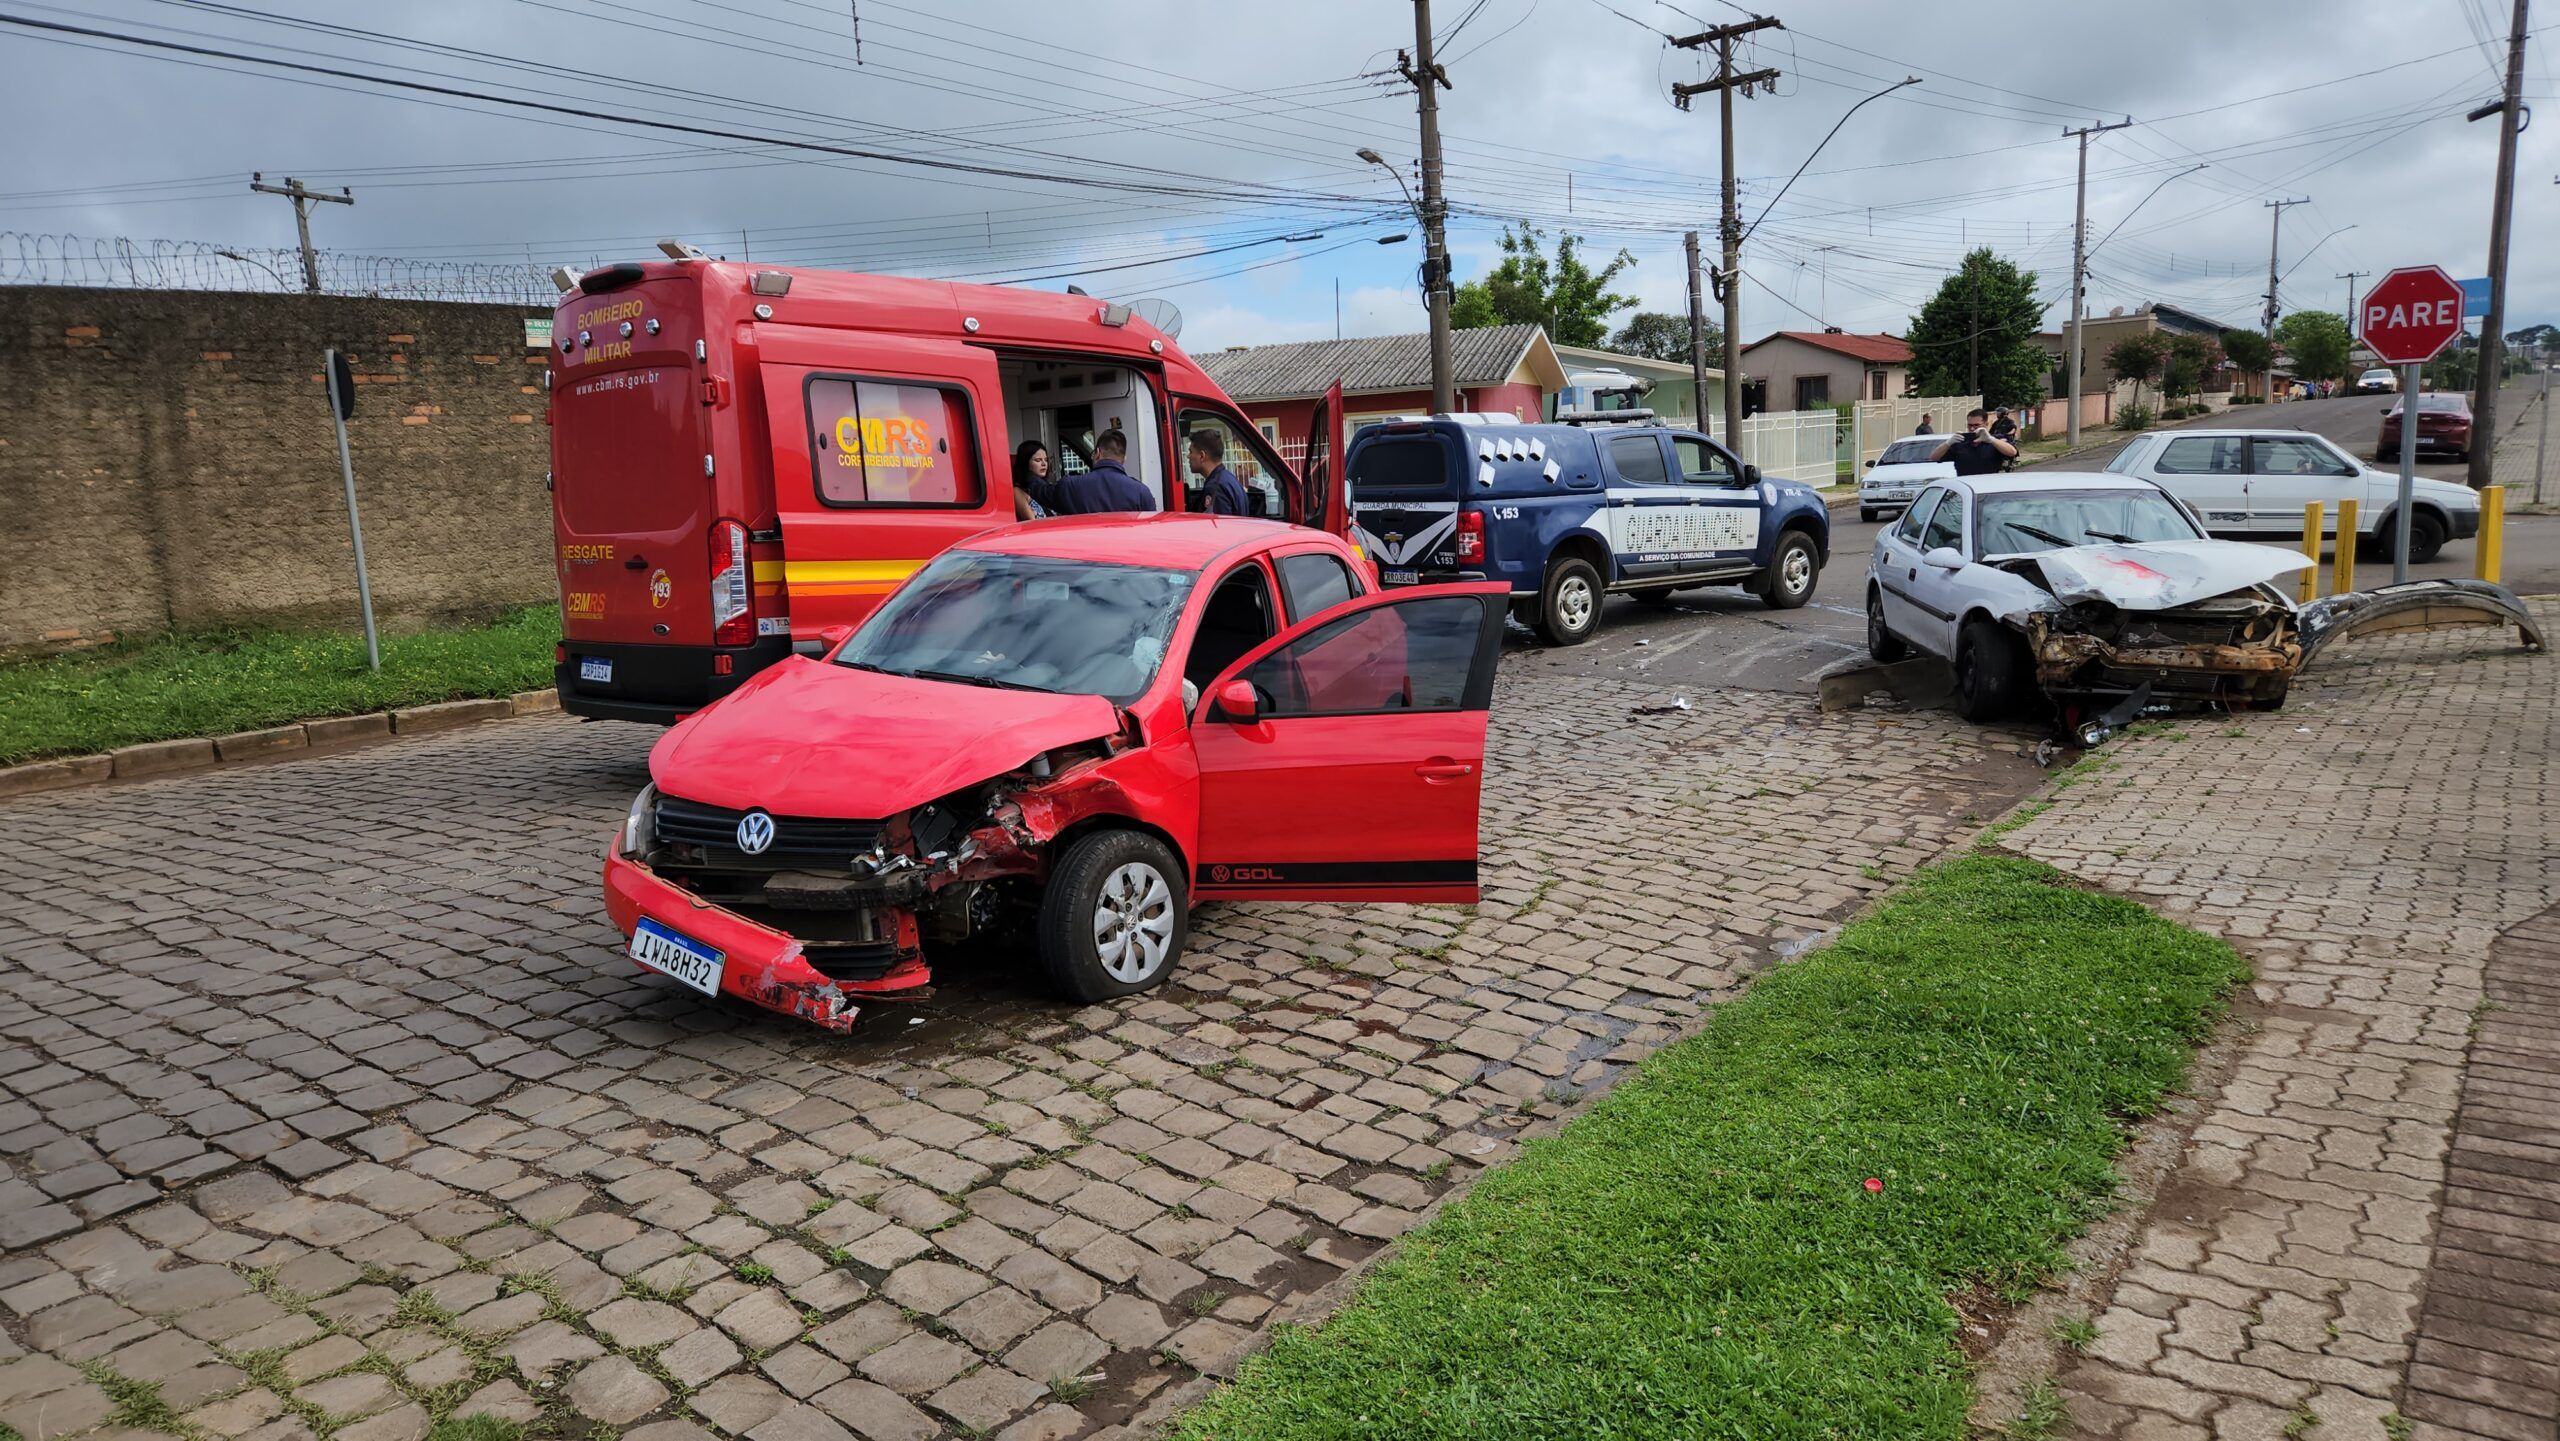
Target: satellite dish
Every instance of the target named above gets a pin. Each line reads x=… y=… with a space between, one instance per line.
x=1163 y=314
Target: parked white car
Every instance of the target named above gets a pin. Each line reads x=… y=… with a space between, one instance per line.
x=2381 y=379
x=1894 y=477
x=2253 y=484
x=2091 y=590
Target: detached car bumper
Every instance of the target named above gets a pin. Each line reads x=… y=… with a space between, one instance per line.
x=758 y=964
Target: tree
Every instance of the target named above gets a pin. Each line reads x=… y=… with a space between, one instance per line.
x=2318 y=342
x=1658 y=335
x=1978 y=335
x=2192 y=358
x=1564 y=294
x=2248 y=350
x=2138 y=358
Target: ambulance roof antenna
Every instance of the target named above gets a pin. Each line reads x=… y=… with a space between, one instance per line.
x=857 y=30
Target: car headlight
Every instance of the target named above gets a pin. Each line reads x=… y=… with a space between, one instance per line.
x=639 y=828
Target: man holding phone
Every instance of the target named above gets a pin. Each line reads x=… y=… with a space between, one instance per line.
x=1977 y=451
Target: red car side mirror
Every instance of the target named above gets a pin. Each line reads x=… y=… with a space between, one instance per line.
x=833 y=636
x=1238 y=703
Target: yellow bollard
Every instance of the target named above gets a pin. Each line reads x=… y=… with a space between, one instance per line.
x=2311 y=547
x=2344 y=577
x=2493 y=531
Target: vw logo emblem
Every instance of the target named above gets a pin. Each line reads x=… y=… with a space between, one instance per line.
x=755 y=833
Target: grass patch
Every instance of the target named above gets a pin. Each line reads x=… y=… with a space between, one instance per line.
x=212 y=683
x=1700 y=1256
x=137 y=1403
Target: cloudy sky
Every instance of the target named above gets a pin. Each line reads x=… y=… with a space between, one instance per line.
x=1203 y=152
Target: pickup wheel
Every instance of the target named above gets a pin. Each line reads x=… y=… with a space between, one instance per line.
x=1990 y=664
x=1793 y=570
x=1882 y=644
x=1569 y=605
x=1115 y=915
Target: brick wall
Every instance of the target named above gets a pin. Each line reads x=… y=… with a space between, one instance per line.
x=166 y=460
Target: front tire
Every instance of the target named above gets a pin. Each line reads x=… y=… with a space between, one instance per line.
x=1793 y=572
x=1114 y=917
x=1882 y=644
x=1868 y=513
x=1569 y=605
x=1989 y=671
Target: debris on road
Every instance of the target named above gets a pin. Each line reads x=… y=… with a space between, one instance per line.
x=1677 y=703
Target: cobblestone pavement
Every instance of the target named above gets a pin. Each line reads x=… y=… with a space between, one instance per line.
x=327 y=1102
x=2364 y=849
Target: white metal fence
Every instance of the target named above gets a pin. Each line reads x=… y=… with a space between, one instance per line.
x=1879 y=423
x=1789 y=444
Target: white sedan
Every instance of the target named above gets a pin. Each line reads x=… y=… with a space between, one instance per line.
x=2254 y=484
x=1894 y=477
x=2090 y=590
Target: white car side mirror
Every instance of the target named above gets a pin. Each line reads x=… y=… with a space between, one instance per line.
x=1945 y=557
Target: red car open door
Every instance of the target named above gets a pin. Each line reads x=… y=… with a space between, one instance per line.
x=1342 y=760
x=1326 y=504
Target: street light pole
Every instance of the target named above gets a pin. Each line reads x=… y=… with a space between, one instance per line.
x=2080 y=271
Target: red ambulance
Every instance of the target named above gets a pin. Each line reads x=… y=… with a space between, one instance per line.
x=744 y=456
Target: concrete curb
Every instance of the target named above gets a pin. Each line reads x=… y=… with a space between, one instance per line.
x=170 y=757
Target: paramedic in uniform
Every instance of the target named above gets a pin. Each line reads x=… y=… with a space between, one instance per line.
x=1221 y=493
x=1108 y=486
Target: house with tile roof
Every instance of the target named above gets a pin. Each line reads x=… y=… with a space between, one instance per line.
x=1809 y=369
x=1501 y=369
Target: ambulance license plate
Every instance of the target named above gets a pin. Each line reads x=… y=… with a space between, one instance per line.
x=1402 y=577
x=595 y=668
x=682 y=957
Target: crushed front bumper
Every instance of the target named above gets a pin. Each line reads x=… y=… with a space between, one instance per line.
x=758 y=963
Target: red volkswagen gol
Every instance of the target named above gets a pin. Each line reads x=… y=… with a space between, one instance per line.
x=1073 y=728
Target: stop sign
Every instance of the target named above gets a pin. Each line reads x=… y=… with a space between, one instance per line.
x=2411 y=314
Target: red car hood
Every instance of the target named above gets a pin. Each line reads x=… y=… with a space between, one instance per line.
x=809 y=738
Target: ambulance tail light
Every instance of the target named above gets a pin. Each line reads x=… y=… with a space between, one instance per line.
x=733 y=612
x=1470 y=536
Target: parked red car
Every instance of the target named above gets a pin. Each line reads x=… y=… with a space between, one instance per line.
x=2444 y=423
x=1071 y=728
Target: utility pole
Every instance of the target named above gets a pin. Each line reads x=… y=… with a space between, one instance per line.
x=2351 y=277
x=2080 y=268
x=2493 y=339
x=1428 y=80
x=302 y=201
x=1698 y=331
x=2267 y=321
x=1728 y=276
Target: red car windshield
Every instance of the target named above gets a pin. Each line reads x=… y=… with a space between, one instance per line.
x=1026 y=622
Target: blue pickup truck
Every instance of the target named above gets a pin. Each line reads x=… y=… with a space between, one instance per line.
x=1568 y=514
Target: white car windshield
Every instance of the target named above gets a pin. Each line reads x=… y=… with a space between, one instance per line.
x=2026 y=522
x=1026 y=622
x=1911 y=452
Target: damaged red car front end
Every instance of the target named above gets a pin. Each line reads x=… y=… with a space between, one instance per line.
x=814 y=915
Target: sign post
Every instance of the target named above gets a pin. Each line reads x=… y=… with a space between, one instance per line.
x=342 y=403
x=2406 y=318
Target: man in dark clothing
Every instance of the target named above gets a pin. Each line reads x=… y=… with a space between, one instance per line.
x=1220 y=492
x=1925 y=427
x=1977 y=451
x=2004 y=428
x=1108 y=486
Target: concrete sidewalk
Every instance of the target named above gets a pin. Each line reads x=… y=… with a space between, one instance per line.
x=2358 y=1240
